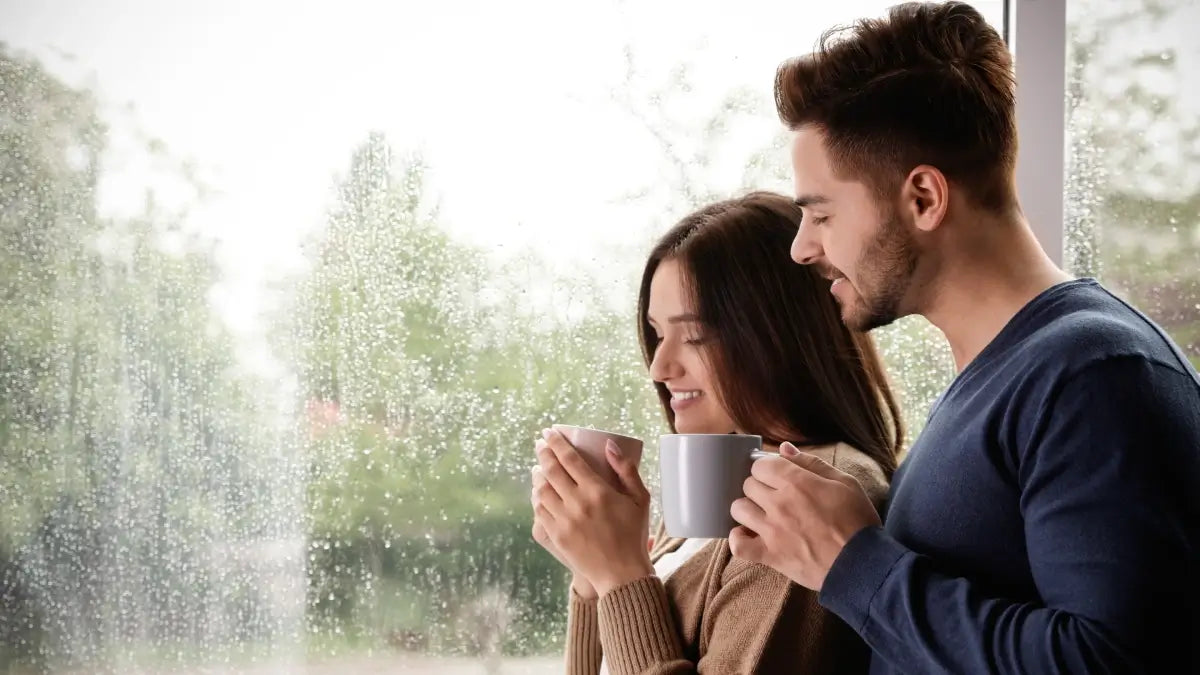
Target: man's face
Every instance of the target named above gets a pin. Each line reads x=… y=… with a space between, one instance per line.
x=862 y=245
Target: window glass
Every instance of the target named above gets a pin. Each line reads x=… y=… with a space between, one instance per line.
x=288 y=288
x=1133 y=156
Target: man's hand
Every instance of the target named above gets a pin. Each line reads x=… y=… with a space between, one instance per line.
x=797 y=515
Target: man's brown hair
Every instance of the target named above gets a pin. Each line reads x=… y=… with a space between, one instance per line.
x=927 y=84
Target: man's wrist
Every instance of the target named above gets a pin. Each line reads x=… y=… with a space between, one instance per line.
x=858 y=573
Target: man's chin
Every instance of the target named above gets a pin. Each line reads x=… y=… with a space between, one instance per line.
x=853 y=315
x=876 y=322
x=857 y=318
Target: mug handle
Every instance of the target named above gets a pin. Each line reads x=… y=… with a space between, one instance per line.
x=759 y=454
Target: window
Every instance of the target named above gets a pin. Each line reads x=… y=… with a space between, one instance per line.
x=1133 y=192
x=288 y=290
x=1130 y=189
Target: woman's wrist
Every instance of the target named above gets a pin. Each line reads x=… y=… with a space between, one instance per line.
x=583 y=588
x=619 y=576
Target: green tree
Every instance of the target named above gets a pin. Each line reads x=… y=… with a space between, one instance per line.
x=425 y=378
x=129 y=453
x=49 y=146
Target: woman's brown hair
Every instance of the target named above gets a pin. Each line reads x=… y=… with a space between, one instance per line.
x=786 y=366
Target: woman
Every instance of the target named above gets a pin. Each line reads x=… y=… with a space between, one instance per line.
x=737 y=338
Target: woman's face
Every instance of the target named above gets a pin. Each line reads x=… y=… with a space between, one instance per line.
x=679 y=361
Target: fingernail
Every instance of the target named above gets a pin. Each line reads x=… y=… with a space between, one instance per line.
x=788 y=450
x=546 y=434
x=613 y=448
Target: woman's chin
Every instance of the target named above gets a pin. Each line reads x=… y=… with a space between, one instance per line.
x=686 y=424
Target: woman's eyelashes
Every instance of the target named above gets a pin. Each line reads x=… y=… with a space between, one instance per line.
x=693 y=339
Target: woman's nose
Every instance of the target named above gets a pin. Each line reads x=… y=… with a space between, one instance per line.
x=663 y=366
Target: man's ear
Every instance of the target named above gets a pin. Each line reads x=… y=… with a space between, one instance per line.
x=926 y=197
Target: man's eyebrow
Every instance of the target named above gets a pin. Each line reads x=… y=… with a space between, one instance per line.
x=809 y=200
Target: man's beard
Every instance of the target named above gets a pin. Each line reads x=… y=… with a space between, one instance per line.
x=885 y=270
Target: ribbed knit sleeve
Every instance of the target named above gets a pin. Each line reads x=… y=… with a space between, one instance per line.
x=583 y=637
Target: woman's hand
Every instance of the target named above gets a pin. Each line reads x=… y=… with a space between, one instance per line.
x=600 y=531
x=581 y=586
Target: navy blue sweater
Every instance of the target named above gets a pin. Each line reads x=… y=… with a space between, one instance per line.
x=1047 y=519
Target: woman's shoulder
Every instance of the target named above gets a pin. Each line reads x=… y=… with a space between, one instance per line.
x=851 y=460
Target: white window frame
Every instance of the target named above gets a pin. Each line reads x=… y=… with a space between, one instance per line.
x=1036 y=31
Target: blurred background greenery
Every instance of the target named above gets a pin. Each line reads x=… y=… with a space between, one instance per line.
x=161 y=504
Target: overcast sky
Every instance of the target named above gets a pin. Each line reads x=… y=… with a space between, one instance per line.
x=510 y=103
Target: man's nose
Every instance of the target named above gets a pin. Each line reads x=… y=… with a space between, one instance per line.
x=805 y=247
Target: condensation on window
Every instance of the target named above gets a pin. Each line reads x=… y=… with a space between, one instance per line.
x=286 y=299
x=1133 y=156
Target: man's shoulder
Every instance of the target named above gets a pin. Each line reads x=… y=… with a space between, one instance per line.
x=1088 y=324
x=1079 y=336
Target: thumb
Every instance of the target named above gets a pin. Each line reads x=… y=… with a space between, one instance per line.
x=810 y=462
x=626 y=469
x=747 y=545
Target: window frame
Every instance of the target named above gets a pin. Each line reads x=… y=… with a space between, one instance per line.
x=1036 y=31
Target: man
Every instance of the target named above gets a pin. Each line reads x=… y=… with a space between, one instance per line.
x=1046 y=520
